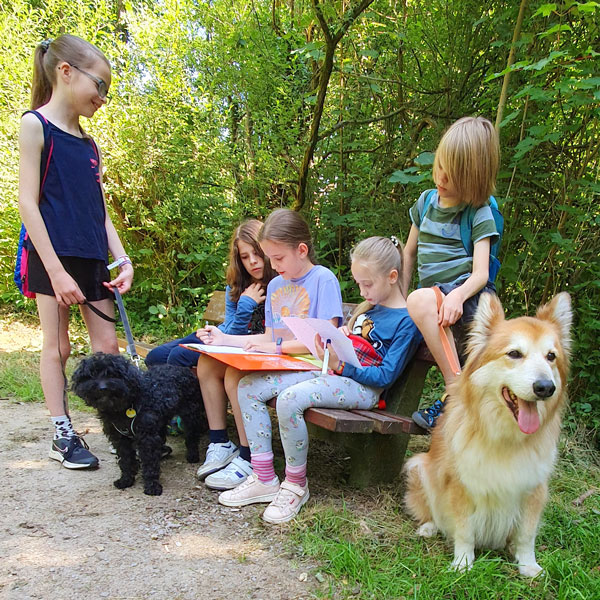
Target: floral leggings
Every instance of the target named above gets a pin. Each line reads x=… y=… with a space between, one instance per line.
x=296 y=391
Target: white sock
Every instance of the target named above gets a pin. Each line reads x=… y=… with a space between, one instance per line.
x=63 y=427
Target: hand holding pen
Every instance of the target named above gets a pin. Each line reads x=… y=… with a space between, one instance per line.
x=327 y=354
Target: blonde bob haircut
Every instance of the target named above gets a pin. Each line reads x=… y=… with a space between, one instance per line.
x=382 y=255
x=469 y=154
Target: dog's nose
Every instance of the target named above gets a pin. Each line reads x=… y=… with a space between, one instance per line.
x=543 y=388
x=101 y=385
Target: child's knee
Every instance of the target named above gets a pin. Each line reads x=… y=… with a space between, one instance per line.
x=56 y=351
x=421 y=302
x=288 y=403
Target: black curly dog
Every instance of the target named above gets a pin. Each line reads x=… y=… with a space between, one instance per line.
x=135 y=408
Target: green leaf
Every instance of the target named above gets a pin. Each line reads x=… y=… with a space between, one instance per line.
x=406 y=176
x=425 y=159
x=556 y=29
x=545 y=10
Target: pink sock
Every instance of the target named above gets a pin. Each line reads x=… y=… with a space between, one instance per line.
x=262 y=465
x=296 y=475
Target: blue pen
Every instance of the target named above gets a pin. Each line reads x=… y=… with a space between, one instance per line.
x=326 y=358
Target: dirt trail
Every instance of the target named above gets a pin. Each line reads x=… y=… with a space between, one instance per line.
x=70 y=534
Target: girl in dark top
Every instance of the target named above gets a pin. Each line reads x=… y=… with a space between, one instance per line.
x=61 y=201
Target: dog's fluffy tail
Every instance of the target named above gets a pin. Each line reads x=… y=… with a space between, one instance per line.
x=415 y=499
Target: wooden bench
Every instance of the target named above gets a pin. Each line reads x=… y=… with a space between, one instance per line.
x=378 y=453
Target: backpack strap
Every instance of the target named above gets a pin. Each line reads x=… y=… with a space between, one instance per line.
x=427 y=203
x=466 y=224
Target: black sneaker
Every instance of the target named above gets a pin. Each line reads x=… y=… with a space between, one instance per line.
x=427 y=417
x=72 y=453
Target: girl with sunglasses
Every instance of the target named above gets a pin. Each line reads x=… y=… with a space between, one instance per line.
x=70 y=233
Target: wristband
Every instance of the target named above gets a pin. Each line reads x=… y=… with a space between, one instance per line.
x=122 y=260
x=278 y=345
x=340 y=369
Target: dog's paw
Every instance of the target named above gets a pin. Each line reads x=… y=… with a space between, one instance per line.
x=532 y=570
x=124 y=482
x=463 y=562
x=192 y=456
x=153 y=488
x=427 y=529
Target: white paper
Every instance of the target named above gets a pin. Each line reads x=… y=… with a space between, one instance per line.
x=306 y=329
x=213 y=349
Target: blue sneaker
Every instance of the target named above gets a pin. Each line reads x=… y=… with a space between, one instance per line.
x=73 y=453
x=427 y=417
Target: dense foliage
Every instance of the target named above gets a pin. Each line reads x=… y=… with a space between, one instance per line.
x=226 y=109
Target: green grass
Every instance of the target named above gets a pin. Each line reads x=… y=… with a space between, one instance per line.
x=20 y=378
x=375 y=553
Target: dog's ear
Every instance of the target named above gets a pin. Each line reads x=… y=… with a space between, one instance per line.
x=558 y=311
x=489 y=314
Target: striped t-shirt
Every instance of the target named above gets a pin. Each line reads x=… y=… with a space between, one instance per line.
x=441 y=256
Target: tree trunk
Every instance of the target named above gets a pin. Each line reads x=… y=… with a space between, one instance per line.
x=511 y=60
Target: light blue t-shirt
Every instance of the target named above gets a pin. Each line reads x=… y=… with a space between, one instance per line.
x=317 y=295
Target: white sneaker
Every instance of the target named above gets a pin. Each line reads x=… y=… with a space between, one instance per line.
x=287 y=503
x=218 y=455
x=250 y=492
x=236 y=472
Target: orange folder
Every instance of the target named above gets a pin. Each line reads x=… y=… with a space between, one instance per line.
x=258 y=362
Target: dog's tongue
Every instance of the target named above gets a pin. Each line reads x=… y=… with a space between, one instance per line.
x=529 y=420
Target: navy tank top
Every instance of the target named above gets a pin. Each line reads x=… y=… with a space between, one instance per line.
x=71 y=201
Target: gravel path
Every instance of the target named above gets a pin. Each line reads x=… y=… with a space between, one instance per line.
x=70 y=534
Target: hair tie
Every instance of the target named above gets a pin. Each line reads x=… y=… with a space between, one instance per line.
x=395 y=240
x=45 y=45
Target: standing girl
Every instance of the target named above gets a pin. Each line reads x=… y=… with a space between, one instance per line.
x=62 y=205
x=302 y=289
x=387 y=336
x=464 y=171
x=248 y=274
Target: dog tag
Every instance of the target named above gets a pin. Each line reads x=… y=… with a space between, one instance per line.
x=130 y=412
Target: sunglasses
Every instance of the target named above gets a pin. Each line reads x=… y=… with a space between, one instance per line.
x=100 y=83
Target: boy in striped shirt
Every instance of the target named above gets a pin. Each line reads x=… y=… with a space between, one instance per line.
x=464 y=171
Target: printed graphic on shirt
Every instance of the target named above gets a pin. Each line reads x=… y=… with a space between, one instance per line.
x=94 y=167
x=289 y=301
x=363 y=327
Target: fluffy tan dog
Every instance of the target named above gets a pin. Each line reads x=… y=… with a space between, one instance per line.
x=484 y=481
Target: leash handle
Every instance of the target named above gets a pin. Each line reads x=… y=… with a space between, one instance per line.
x=130 y=343
x=444 y=336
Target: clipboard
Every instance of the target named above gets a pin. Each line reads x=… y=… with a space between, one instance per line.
x=254 y=361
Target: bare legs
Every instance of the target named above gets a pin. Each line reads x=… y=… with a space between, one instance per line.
x=56 y=347
x=422 y=307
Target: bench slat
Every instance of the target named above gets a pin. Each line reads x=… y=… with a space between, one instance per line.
x=342 y=421
x=408 y=425
x=141 y=348
x=382 y=422
x=333 y=419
